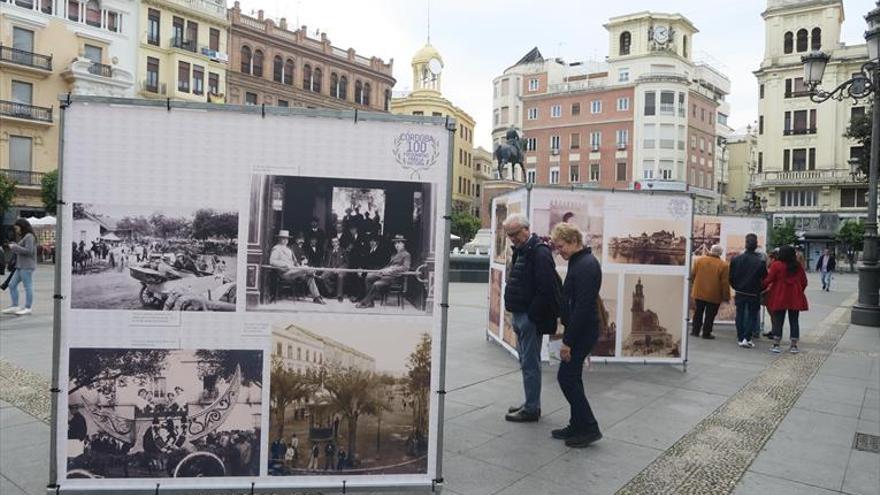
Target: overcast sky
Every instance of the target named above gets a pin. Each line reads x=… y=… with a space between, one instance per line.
x=478 y=39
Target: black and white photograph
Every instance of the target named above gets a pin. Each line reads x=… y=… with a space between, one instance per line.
x=335 y=245
x=164 y=413
x=153 y=258
x=643 y=241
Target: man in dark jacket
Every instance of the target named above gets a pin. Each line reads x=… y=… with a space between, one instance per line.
x=530 y=296
x=747 y=270
x=826 y=265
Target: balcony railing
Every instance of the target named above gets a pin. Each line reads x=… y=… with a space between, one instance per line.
x=25 y=111
x=23 y=177
x=99 y=69
x=184 y=44
x=157 y=88
x=804 y=177
x=799 y=132
x=16 y=56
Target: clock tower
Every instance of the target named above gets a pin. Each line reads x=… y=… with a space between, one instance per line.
x=427 y=65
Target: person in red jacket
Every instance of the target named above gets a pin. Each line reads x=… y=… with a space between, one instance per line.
x=785 y=284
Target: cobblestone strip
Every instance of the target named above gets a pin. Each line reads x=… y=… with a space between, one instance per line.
x=25 y=390
x=711 y=458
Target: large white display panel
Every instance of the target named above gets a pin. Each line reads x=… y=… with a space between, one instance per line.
x=252 y=297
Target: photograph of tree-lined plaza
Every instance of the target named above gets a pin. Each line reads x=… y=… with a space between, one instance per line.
x=358 y=407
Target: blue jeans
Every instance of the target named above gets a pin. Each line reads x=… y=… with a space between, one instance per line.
x=26 y=277
x=826 y=280
x=747 y=310
x=528 y=346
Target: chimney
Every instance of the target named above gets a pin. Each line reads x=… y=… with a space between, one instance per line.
x=284 y=23
x=260 y=14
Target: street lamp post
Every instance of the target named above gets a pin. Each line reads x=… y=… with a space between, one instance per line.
x=864 y=84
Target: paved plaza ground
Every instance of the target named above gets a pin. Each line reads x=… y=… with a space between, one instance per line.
x=737 y=421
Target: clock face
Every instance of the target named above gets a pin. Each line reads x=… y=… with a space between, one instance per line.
x=435 y=66
x=661 y=34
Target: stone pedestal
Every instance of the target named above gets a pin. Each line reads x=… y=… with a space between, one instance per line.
x=492 y=189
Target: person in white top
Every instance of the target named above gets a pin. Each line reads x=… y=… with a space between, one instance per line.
x=282 y=257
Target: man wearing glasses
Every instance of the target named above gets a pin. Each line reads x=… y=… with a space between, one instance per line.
x=530 y=296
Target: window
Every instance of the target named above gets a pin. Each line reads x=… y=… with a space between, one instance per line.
x=854 y=197
x=93 y=13
x=681 y=106
x=594 y=172
x=22 y=92
x=505 y=115
x=693 y=142
x=214 y=83
x=533 y=114
x=250 y=98
x=177 y=31
x=801 y=40
x=666 y=170
x=650 y=103
x=575 y=109
x=113 y=21
x=795 y=88
x=343 y=88
x=278 y=69
x=94 y=53
x=760 y=162
x=595 y=140
x=183 y=77
x=788 y=43
x=198 y=80
x=574 y=173
x=623 y=104
x=761 y=91
x=799 y=159
x=505 y=87
x=648 y=169
x=799 y=122
x=554 y=143
x=554 y=175
x=419 y=112
x=760 y=124
x=816 y=39
x=681 y=138
x=530 y=176
x=856 y=113
x=722 y=119
x=214 y=39
x=496 y=117
x=366 y=95
x=154 y=20
x=667 y=103
x=556 y=111
x=73 y=10
x=278 y=348
x=20 y=153
x=702 y=144
x=152 y=82
x=317 y=79
x=702 y=114
x=575 y=140
x=798 y=197
x=288 y=72
x=684 y=46
x=258 y=63
x=622 y=138
x=192 y=36
x=307 y=77
x=649 y=140
x=621 y=171
x=625 y=43
x=623 y=75
x=531 y=144
x=533 y=84
x=245 y=60
x=667 y=136
x=596 y=106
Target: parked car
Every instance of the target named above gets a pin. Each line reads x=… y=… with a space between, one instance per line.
x=480 y=242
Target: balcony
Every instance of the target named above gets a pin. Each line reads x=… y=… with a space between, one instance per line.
x=14 y=56
x=94 y=78
x=183 y=44
x=215 y=55
x=799 y=132
x=24 y=111
x=23 y=177
x=153 y=89
x=802 y=178
x=99 y=69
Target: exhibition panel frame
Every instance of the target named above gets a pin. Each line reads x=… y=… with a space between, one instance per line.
x=255 y=297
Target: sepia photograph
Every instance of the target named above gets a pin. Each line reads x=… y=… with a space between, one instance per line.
x=586 y=213
x=647 y=241
x=348 y=402
x=495 y=300
x=652 y=315
x=507 y=334
x=164 y=413
x=340 y=246
x=606 y=345
x=736 y=244
x=500 y=241
x=153 y=258
x=707 y=233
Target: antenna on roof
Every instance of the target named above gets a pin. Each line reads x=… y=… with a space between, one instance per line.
x=429 y=22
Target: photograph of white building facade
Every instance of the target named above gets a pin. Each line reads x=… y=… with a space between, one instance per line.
x=803 y=165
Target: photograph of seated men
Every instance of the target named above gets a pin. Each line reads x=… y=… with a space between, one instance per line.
x=341 y=245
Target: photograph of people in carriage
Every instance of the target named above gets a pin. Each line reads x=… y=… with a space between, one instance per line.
x=340 y=246
x=347 y=402
x=160 y=413
x=150 y=258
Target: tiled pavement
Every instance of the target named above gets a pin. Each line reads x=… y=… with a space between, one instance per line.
x=643 y=410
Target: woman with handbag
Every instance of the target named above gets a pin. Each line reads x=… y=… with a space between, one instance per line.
x=785 y=284
x=25 y=250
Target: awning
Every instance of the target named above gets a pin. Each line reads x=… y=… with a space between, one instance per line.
x=110 y=236
x=820 y=235
x=47 y=220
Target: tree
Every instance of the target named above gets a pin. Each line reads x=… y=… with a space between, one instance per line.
x=851 y=236
x=860 y=130
x=783 y=234
x=465 y=225
x=208 y=223
x=89 y=366
x=224 y=362
x=79 y=211
x=137 y=225
x=49 y=191
x=7 y=192
x=167 y=227
x=354 y=392
x=288 y=387
x=418 y=388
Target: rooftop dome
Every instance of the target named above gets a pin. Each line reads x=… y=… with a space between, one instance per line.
x=425 y=54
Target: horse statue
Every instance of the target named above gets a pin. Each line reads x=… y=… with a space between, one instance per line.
x=510 y=152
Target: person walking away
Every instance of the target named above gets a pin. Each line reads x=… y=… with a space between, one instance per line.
x=747 y=270
x=710 y=279
x=25 y=251
x=580 y=293
x=531 y=297
x=826 y=265
x=785 y=284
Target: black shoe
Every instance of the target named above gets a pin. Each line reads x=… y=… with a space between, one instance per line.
x=513 y=409
x=581 y=440
x=318 y=300
x=695 y=334
x=768 y=334
x=522 y=416
x=708 y=336
x=563 y=433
